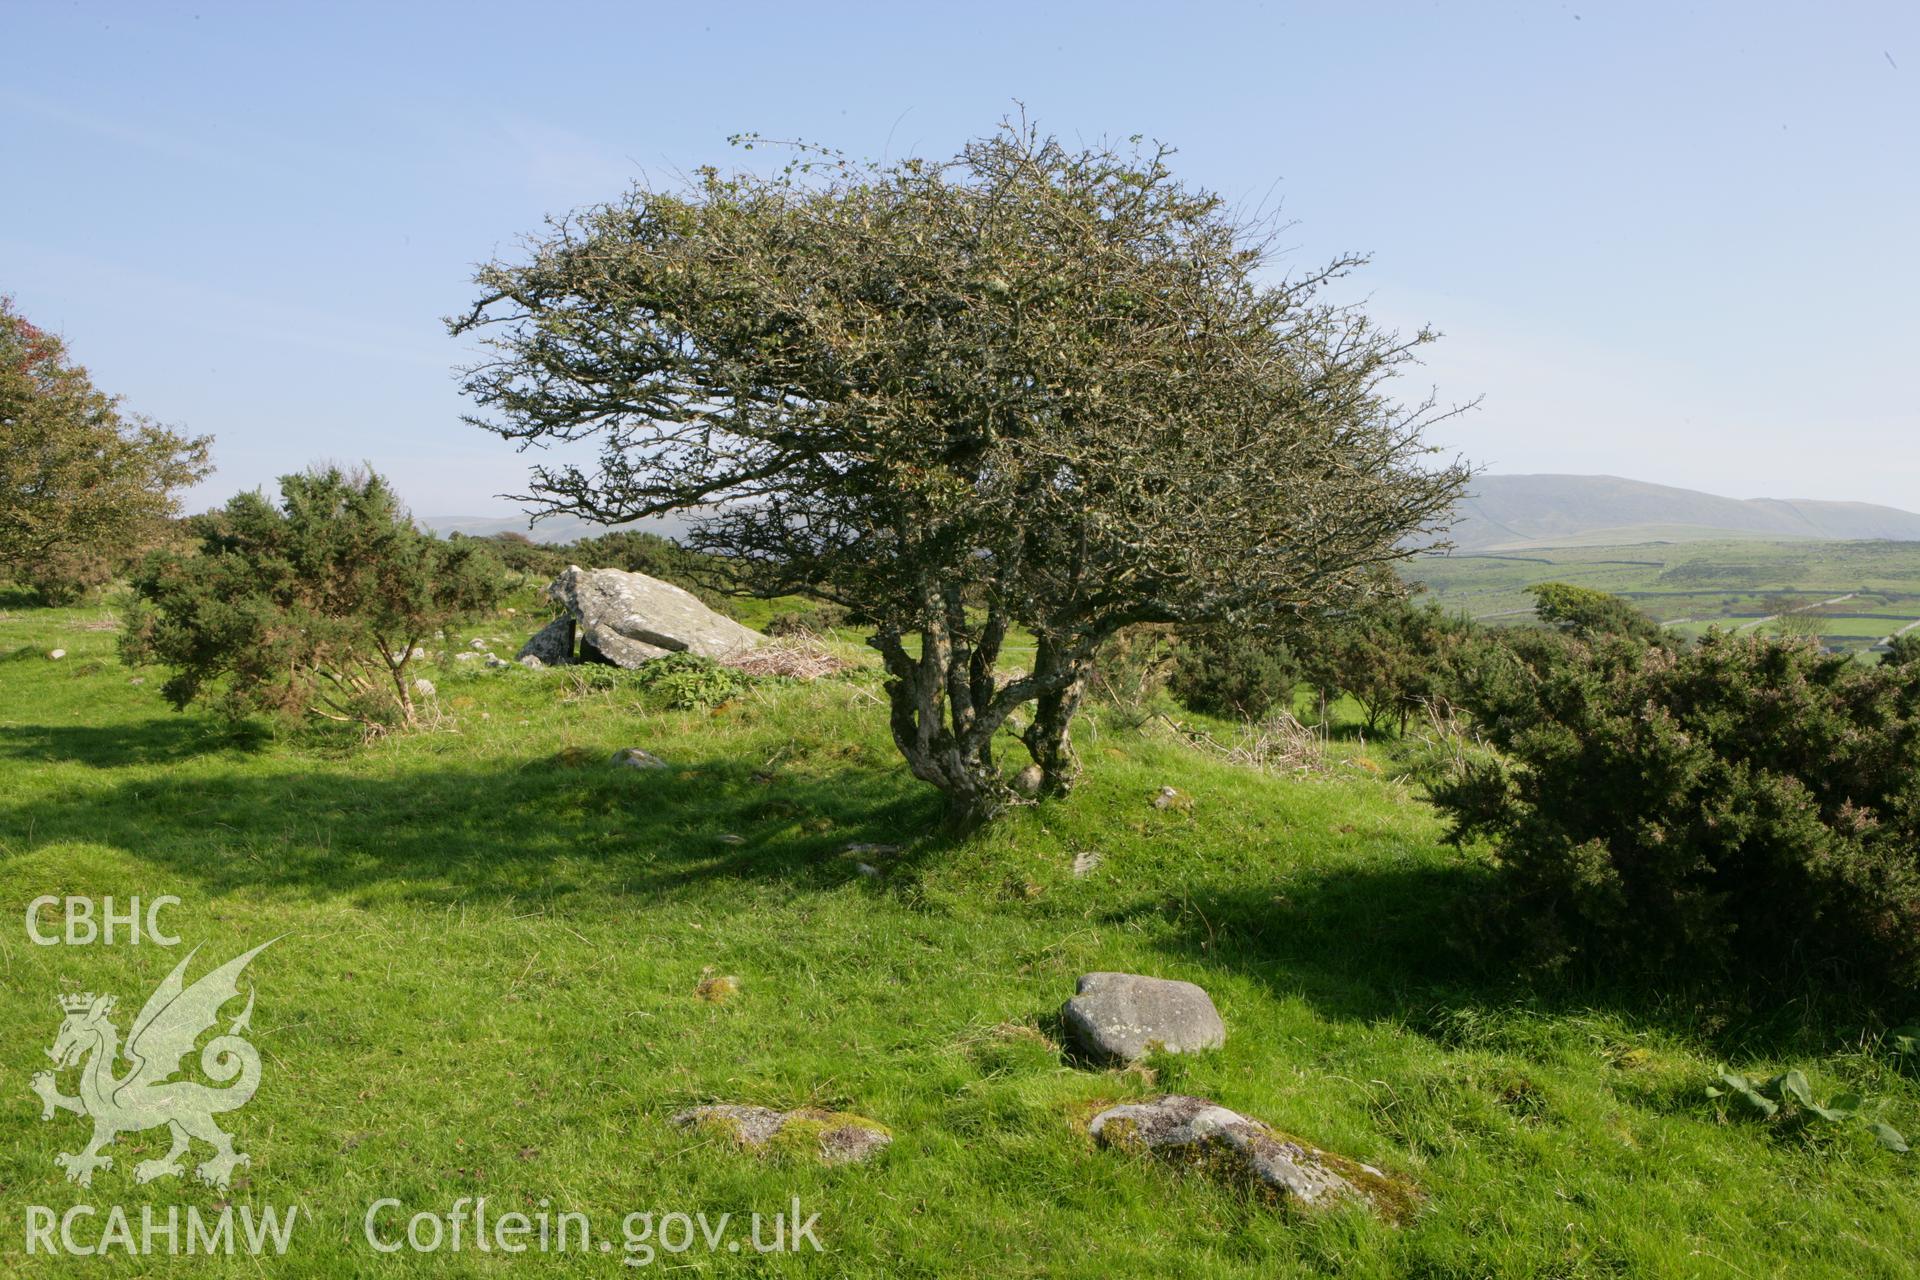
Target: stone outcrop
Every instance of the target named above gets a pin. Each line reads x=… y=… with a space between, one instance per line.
x=1236 y=1148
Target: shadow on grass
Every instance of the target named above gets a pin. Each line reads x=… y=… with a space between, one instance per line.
x=1394 y=944
x=441 y=833
x=155 y=740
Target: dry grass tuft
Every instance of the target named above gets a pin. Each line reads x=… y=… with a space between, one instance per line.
x=801 y=656
x=1277 y=744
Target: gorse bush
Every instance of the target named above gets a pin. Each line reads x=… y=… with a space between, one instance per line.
x=1392 y=655
x=1587 y=614
x=1238 y=675
x=316 y=607
x=1746 y=805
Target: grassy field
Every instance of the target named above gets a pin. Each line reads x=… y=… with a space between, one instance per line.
x=490 y=942
x=1873 y=587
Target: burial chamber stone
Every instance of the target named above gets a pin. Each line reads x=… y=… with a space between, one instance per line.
x=629 y=619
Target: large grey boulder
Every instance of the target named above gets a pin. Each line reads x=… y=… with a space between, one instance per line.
x=1198 y=1133
x=1123 y=1016
x=630 y=619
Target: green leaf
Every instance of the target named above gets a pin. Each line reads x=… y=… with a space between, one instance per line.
x=1740 y=1085
x=1888 y=1136
x=1905 y=1039
x=1794 y=1085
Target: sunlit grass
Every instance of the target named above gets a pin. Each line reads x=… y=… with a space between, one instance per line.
x=487 y=987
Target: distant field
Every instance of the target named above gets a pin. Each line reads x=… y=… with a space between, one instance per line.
x=1873 y=587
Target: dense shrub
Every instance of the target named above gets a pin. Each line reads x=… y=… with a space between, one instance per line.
x=810 y=618
x=1393 y=656
x=318 y=606
x=1234 y=674
x=1587 y=614
x=1902 y=651
x=1131 y=669
x=521 y=554
x=1747 y=804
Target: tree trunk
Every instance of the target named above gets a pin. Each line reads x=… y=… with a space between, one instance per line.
x=1049 y=738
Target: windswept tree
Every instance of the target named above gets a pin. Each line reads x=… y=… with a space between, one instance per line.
x=84 y=485
x=1025 y=388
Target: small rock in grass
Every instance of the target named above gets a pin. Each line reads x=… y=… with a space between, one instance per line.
x=832 y=1137
x=635 y=758
x=1172 y=798
x=495 y=661
x=1240 y=1149
x=1027 y=781
x=56 y=654
x=876 y=850
x=423 y=687
x=718 y=989
x=1124 y=1016
x=464 y=656
x=531 y=663
x=478 y=645
x=1085 y=862
x=867 y=869
x=137 y=681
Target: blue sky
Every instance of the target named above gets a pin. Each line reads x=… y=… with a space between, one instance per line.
x=1679 y=243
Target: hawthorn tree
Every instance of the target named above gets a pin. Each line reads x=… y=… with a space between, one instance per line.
x=1027 y=387
x=1589 y=615
x=316 y=606
x=84 y=486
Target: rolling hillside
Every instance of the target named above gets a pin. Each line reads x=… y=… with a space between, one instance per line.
x=553 y=529
x=1508 y=513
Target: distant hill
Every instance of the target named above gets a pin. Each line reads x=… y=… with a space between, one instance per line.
x=1508 y=513
x=552 y=529
x=1505 y=513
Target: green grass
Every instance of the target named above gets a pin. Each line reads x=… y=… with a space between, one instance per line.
x=1694 y=585
x=487 y=986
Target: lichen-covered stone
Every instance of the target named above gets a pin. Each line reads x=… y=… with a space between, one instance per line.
x=551 y=645
x=1124 y=1016
x=718 y=988
x=832 y=1137
x=630 y=619
x=1202 y=1134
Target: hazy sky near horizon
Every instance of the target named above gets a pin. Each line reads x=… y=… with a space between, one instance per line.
x=1676 y=243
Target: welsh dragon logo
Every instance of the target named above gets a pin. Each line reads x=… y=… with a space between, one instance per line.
x=147 y=1096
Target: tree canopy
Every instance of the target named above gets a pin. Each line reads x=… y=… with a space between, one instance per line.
x=1027 y=387
x=84 y=486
